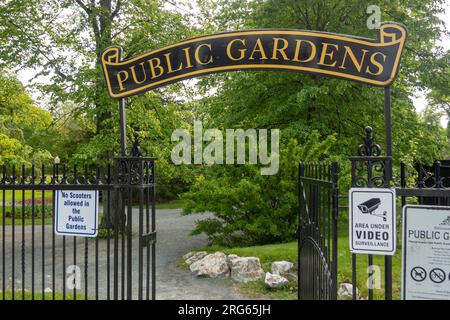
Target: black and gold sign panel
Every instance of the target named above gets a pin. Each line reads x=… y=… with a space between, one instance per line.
x=374 y=62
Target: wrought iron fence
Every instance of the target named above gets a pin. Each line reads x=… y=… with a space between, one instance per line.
x=37 y=264
x=415 y=184
x=317 y=242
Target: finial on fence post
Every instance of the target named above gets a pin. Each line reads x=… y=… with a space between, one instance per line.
x=369 y=147
x=136 y=149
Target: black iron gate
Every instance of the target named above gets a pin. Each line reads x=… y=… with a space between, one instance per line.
x=317 y=231
x=118 y=264
x=414 y=184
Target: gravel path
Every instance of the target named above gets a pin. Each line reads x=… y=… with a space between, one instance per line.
x=173 y=240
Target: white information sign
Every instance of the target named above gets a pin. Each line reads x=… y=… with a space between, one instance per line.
x=372 y=221
x=76 y=213
x=426 y=253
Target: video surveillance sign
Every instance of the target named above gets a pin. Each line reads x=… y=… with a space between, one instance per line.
x=372 y=221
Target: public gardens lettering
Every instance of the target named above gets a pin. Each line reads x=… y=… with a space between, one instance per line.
x=353 y=58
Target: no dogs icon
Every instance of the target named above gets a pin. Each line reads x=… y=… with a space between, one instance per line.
x=418 y=274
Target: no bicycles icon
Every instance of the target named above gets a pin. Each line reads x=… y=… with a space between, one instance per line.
x=437 y=275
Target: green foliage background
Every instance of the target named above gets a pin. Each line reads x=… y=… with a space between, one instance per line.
x=319 y=118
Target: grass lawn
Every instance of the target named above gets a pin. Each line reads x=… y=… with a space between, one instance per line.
x=362 y=262
x=174 y=204
x=288 y=251
x=8 y=295
x=28 y=196
x=28 y=221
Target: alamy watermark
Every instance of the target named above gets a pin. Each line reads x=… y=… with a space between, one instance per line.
x=73 y=279
x=374 y=277
x=374 y=20
x=237 y=150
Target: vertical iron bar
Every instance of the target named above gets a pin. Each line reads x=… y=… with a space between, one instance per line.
x=354 y=293
x=13 y=236
x=387 y=111
x=116 y=244
x=123 y=124
x=22 y=183
x=64 y=246
x=153 y=230
x=147 y=230
x=86 y=245
x=97 y=181
x=75 y=264
x=124 y=233
x=370 y=277
x=55 y=174
x=86 y=264
x=108 y=236
x=129 y=243
x=43 y=232
x=32 y=230
x=403 y=186
x=141 y=246
x=3 y=234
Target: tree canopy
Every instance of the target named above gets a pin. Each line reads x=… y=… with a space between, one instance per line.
x=319 y=118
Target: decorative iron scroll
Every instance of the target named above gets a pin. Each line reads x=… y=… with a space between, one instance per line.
x=369 y=168
x=134 y=171
x=373 y=62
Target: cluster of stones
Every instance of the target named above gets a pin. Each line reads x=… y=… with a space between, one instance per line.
x=240 y=269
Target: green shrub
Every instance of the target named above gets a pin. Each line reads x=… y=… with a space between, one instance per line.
x=28 y=210
x=250 y=208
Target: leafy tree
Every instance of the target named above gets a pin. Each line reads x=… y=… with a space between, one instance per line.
x=303 y=106
x=63 y=39
x=22 y=125
x=250 y=208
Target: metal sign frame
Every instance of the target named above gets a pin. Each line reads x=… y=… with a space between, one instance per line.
x=376 y=194
x=389 y=43
x=424 y=275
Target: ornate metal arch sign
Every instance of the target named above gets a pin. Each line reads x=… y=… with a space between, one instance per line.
x=374 y=62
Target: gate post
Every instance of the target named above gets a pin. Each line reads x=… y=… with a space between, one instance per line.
x=371 y=170
x=134 y=176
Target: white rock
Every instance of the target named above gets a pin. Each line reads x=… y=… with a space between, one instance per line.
x=281 y=267
x=245 y=269
x=48 y=290
x=275 y=280
x=212 y=266
x=188 y=255
x=195 y=257
x=230 y=258
x=345 y=291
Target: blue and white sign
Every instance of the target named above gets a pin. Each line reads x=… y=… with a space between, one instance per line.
x=76 y=213
x=372 y=221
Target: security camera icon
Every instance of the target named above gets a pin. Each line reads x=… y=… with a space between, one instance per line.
x=369 y=207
